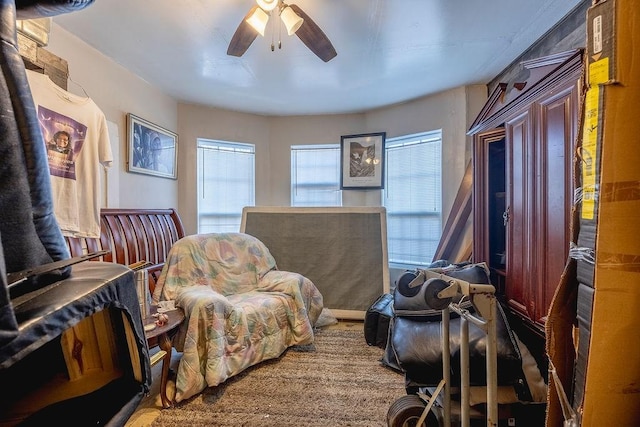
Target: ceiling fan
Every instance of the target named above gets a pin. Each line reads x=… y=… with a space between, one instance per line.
x=295 y=20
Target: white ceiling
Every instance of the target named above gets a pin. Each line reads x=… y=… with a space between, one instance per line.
x=389 y=51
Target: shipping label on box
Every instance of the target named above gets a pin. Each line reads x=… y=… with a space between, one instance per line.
x=601 y=43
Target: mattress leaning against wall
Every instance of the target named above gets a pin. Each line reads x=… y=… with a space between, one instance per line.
x=342 y=250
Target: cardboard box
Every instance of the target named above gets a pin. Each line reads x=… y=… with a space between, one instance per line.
x=37 y=30
x=607 y=383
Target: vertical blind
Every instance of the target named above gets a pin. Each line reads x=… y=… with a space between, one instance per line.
x=226 y=184
x=413 y=197
x=315 y=175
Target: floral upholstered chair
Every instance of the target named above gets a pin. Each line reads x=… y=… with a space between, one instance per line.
x=240 y=309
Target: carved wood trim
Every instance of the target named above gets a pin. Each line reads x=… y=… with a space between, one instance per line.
x=545 y=73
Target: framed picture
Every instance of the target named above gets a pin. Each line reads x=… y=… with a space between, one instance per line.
x=153 y=150
x=362 y=161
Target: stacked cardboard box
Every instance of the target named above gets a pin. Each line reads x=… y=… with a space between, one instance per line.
x=606 y=379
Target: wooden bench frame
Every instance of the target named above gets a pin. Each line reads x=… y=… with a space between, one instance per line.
x=133 y=235
x=130 y=236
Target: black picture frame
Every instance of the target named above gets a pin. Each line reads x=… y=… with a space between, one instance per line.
x=152 y=150
x=362 y=161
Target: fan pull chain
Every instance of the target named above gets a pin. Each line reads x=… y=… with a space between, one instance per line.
x=280 y=32
x=272 y=32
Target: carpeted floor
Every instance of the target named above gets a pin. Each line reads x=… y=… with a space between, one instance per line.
x=337 y=382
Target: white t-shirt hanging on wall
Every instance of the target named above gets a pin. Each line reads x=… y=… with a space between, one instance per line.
x=75 y=134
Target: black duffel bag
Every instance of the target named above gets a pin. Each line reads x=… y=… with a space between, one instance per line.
x=416 y=339
x=376 y=321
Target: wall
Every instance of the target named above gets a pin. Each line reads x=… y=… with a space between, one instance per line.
x=301 y=130
x=452 y=111
x=212 y=123
x=118 y=92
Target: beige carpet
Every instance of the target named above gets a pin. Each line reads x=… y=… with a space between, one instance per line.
x=340 y=382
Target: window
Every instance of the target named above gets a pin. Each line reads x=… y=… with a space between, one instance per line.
x=413 y=198
x=315 y=175
x=226 y=184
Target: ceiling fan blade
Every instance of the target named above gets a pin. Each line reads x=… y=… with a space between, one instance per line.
x=313 y=37
x=243 y=37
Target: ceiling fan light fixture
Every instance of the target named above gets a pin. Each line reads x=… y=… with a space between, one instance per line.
x=293 y=18
x=292 y=21
x=267 y=5
x=258 y=20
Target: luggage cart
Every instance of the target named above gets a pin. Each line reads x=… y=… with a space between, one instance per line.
x=420 y=410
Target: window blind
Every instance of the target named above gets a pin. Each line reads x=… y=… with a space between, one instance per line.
x=315 y=175
x=226 y=184
x=413 y=197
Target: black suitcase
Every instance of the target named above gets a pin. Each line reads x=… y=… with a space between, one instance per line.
x=376 y=321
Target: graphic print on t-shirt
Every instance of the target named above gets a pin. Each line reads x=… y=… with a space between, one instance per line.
x=63 y=137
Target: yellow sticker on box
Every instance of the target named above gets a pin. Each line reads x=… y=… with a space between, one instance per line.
x=599 y=72
x=589 y=151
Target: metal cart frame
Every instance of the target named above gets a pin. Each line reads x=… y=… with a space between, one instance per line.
x=440 y=291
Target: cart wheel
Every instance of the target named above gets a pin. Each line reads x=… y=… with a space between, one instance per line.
x=406 y=411
x=403 y=284
x=433 y=288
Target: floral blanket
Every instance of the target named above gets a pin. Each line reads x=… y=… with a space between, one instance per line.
x=239 y=308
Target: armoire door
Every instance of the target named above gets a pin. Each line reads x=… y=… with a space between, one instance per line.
x=539 y=144
x=557 y=120
x=521 y=236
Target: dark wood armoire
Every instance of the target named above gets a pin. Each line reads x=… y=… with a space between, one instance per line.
x=523 y=186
